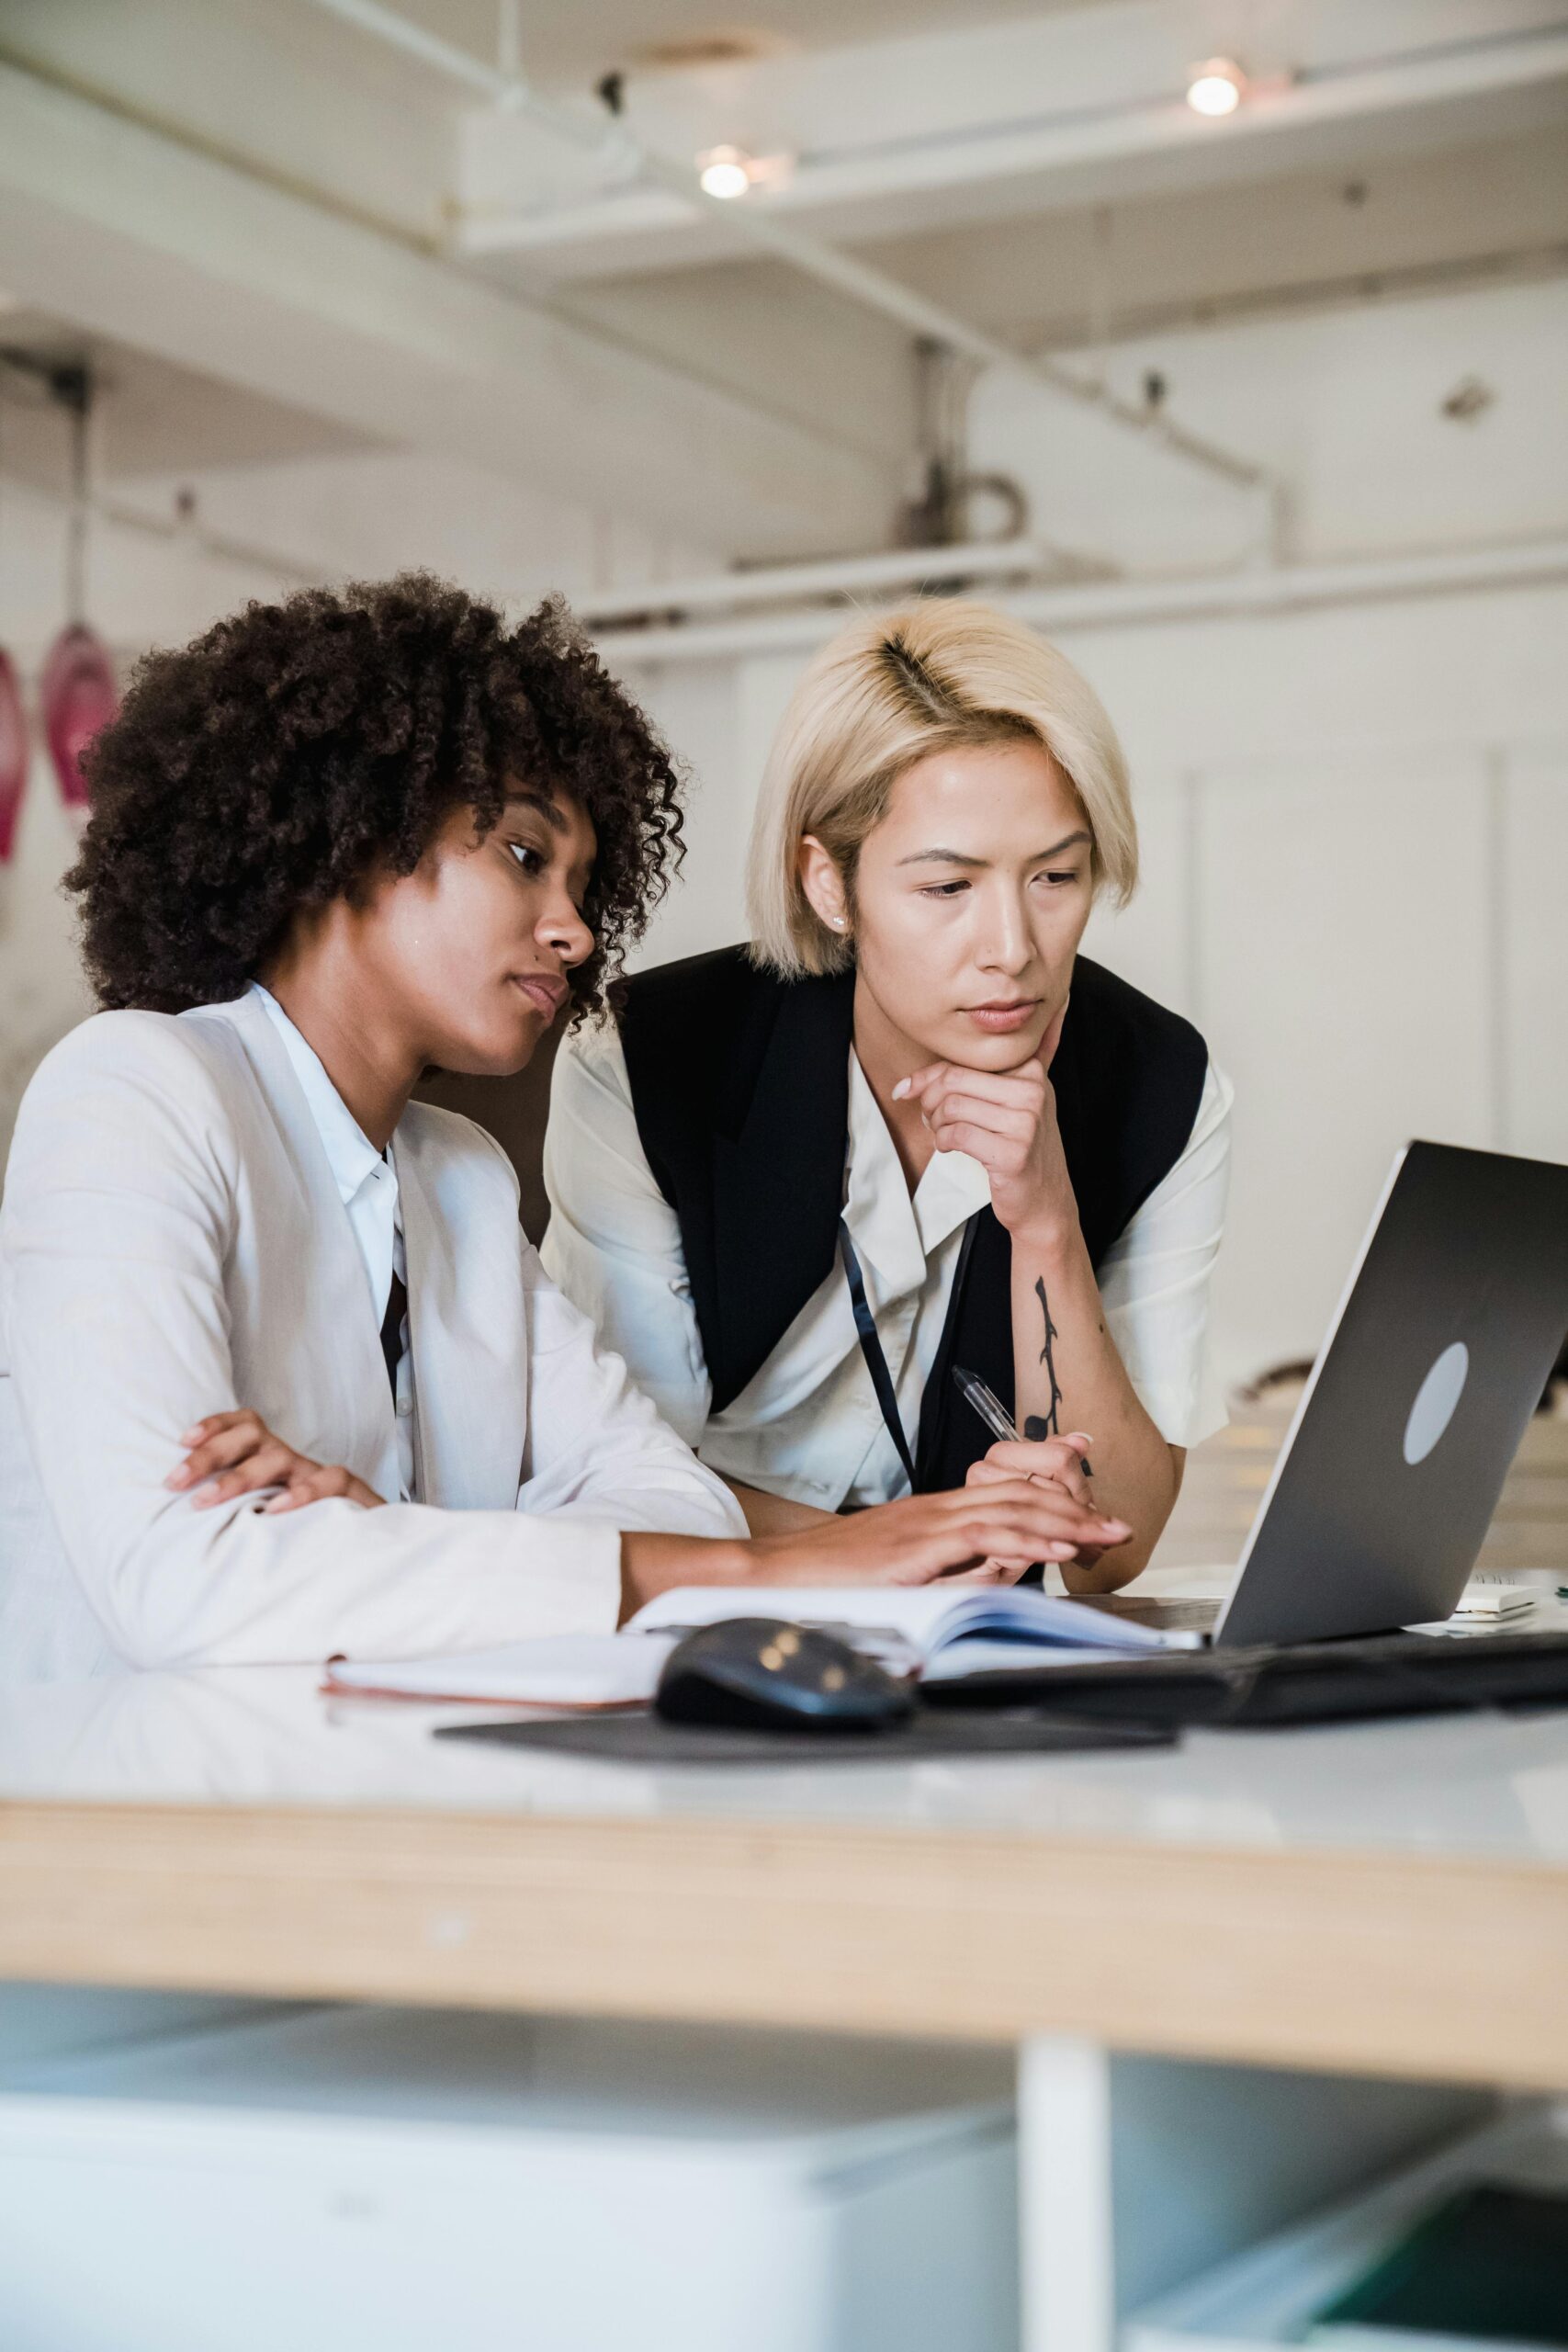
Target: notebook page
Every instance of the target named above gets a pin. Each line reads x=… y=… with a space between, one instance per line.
x=923 y=1617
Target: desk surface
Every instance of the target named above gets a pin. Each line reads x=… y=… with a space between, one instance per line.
x=1384 y=1898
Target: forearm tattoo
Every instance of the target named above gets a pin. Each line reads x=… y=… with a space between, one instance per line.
x=1049 y=1424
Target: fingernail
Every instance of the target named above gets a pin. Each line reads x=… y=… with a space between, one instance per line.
x=1079 y=1437
x=1115 y=1527
x=177 y=1478
x=191 y=1436
x=900 y=1090
x=1061 y=1550
x=278 y=1502
x=203 y=1497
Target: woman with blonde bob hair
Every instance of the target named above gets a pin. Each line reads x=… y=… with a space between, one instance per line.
x=813 y=1187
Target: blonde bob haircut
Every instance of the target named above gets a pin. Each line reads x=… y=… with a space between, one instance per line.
x=895 y=686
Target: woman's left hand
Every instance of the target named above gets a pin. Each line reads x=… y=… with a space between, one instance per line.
x=1006 y=1120
x=1052 y=1461
x=236 y=1453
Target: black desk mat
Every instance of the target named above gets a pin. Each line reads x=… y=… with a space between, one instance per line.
x=646 y=1738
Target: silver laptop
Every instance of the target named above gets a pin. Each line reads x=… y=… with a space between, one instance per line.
x=1453 y=1316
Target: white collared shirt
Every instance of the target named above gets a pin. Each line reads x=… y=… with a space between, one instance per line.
x=807 y=1424
x=366 y=1182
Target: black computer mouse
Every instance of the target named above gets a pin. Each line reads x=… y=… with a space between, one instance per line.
x=766 y=1674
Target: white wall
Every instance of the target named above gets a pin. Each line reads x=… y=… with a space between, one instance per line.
x=1355 y=829
x=42 y=993
x=1346 y=407
x=143 y=590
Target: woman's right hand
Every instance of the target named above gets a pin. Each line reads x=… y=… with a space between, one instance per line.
x=984 y=1533
x=989 y=1532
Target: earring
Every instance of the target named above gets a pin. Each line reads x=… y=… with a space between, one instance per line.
x=838 y=922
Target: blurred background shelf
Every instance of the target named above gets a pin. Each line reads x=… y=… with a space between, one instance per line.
x=1226 y=1476
x=1270 y=2295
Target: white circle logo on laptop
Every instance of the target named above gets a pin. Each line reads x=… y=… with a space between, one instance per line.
x=1436 y=1402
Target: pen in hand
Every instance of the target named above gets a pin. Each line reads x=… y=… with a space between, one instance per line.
x=992 y=1411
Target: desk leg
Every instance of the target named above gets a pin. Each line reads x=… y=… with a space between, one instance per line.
x=1137 y=2173
x=1065 y=2229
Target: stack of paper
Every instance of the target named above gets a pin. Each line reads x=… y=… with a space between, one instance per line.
x=1489 y=1599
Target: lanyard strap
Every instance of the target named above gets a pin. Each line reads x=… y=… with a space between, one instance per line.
x=871 y=1348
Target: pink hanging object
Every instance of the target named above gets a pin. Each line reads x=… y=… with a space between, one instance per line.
x=12 y=755
x=77 y=695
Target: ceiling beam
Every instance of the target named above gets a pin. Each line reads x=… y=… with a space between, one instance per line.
x=125 y=233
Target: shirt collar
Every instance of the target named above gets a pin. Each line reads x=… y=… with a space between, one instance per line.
x=898 y=1234
x=351 y=1155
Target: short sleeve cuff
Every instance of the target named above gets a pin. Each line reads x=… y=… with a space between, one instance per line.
x=1184 y=1416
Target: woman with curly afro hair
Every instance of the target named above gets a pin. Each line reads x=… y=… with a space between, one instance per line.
x=280 y=1376
x=301 y=751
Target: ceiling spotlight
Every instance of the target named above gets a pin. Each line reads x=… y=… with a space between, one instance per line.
x=1217 y=87
x=724 y=172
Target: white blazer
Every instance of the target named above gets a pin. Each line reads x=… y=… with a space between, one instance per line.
x=171 y=1245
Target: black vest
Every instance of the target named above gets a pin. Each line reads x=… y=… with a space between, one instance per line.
x=740 y=1082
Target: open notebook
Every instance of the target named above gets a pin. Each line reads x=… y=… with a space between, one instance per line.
x=936 y=1631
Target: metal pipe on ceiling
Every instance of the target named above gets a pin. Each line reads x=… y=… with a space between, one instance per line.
x=1126 y=604
x=778 y=583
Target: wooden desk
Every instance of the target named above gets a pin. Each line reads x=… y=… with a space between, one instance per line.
x=1389 y=1900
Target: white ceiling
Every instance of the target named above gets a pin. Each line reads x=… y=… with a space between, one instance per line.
x=570 y=43
x=285 y=238
x=1382 y=224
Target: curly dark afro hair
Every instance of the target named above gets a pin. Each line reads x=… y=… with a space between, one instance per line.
x=273 y=764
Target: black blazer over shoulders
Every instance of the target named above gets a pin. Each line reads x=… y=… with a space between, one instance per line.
x=740 y=1082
